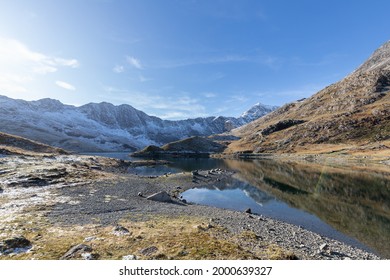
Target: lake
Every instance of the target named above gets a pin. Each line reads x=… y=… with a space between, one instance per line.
x=347 y=203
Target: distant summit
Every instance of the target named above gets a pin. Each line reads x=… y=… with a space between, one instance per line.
x=257 y=111
x=379 y=60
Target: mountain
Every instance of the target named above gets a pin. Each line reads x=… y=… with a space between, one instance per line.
x=104 y=127
x=257 y=111
x=11 y=144
x=349 y=114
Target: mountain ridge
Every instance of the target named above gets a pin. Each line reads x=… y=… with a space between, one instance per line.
x=354 y=111
x=96 y=127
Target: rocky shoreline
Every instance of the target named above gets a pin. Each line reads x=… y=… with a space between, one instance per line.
x=88 y=207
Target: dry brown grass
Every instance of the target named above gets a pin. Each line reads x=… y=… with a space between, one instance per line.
x=18 y=145
x=348 y=113
x=175 y=238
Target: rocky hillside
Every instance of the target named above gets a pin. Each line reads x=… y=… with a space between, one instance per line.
x=11 y=144
x=350 y=114
x=195 y=146
x=105 y=127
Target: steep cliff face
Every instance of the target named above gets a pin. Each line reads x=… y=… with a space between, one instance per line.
x=105 y=127
x=353 y=111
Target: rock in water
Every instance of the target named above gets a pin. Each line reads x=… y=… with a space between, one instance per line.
x=162 y=196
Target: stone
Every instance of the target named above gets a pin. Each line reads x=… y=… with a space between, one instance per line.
x=120 y=230
x=149 y=251
x=324 y=247
x=76 y=252
x=162 y=196
x=249 y=211
x=89 y=256
x=11 y=245
x=129 y=258
x=89 y=238
x=95 y=167
x=182 y=253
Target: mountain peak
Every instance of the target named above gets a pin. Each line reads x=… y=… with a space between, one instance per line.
x=379 y=60
x=256 y=111
x=352 y=111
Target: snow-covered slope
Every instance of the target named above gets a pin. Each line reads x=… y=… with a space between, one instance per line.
x=105 y=127
x=257 y=111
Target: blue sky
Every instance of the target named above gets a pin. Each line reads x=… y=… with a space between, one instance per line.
x=183 y=59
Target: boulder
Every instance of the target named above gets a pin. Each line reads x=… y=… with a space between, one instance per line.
x=11 y=245
x=77 y=252
x=149 y=251
x=324 y=247
x=129 y=258
x=120 y=230
x=89 y=256
x=162 y=196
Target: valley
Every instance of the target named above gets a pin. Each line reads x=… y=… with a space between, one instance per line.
x=325 y=158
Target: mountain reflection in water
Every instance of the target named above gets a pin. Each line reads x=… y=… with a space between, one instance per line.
x=351 y=200
x=239 y=195
x=354 y=200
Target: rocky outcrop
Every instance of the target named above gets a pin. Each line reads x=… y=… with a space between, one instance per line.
x=14 y=245
x=160 y=197
x=284 y=124
x=120 y=230
x=189 y=147
x=11 y=144
x=80 y=251
x=149 y=151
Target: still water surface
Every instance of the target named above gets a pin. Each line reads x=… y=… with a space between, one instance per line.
x=351 y=204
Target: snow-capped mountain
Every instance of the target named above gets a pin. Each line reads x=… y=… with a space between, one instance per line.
x=257 y=111
x=105 y=127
